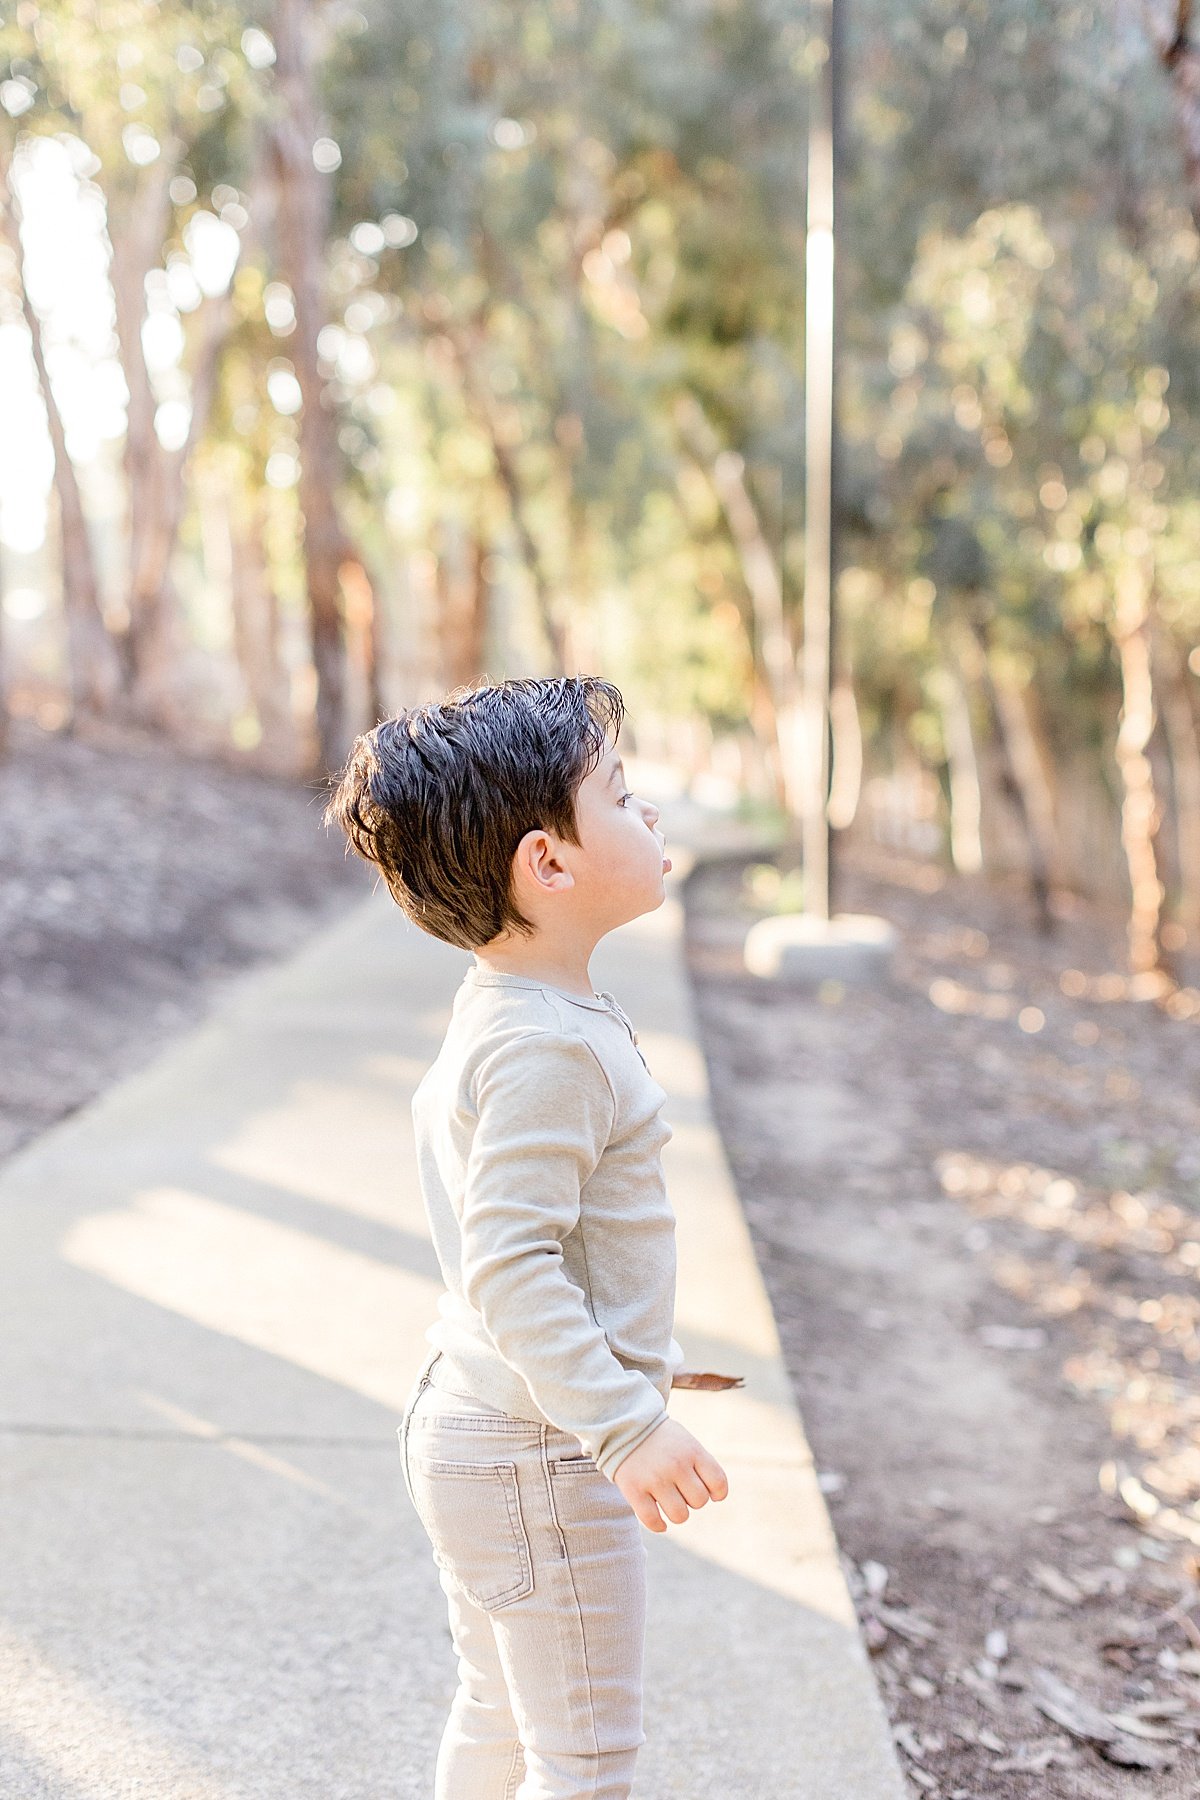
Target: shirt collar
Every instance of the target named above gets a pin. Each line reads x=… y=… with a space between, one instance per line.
x=599 y=1002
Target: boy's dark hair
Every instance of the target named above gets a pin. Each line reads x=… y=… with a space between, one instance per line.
x=440 y=796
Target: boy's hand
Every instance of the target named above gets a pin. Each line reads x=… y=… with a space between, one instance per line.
x=670 y=1469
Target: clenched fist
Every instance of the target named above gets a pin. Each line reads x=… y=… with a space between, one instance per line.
x=670 y=1470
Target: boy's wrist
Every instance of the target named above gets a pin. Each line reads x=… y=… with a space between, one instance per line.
x=610 y=1462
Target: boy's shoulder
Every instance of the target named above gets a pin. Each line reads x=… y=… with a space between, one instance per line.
x=493 y=1012
x=488 y=1014
x=516 y=1045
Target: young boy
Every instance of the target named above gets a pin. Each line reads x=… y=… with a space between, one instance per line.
x=535 y=1440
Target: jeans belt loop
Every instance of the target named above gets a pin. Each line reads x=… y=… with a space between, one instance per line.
x=425 y=1381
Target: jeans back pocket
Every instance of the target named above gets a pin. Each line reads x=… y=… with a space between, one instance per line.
x=471 y=1513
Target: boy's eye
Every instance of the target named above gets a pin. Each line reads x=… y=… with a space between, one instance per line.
x=624 y=797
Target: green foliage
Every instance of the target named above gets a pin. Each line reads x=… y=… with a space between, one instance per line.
x=551 y=219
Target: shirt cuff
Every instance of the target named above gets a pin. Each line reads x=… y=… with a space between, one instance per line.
x=629 y=1439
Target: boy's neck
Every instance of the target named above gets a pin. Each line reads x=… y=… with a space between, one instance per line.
x=556 y=965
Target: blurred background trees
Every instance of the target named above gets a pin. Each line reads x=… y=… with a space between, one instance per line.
x=352 y=351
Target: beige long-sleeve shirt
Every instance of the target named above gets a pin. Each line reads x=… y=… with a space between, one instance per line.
x=539 y=1140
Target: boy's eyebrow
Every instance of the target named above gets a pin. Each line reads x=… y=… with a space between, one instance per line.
x=616 y=766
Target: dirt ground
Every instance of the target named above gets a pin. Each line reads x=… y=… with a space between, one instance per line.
x=974 y=1191
x=133 y=881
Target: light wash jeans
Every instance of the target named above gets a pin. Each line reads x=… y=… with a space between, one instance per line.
x=543 y=1564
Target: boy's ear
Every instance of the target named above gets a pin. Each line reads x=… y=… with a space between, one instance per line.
x=537 y=861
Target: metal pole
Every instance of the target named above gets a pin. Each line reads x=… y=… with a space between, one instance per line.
x=820 y=432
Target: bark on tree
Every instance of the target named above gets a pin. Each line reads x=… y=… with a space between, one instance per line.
x=847 y=757
x=1141 y=810
x=156 y=478
x=1183 y=739
x=1024 y=781
x=136 y=229
x=462 y=602
x=363 y=615
x=464 y=347
x=1171 y=26
x=93 y=667
x=302 y=226
x=776 y=685
x=966 y=844
x=255 y=611
x=4 y=718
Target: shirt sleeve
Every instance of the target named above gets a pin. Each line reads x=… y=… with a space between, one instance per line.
x=545 y=1113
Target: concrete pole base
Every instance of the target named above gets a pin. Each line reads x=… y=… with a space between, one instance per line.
x=850 y=947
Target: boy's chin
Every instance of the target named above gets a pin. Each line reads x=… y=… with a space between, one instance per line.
x=637 y=908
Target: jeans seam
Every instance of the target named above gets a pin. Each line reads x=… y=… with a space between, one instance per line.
x=404 y=1441
x=591 y=1699
x=513 y=1780
x=512 y=1497
x=475 y=1422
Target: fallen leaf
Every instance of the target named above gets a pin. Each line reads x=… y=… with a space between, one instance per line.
x=907 y=1738
x=1169 y=1706
x=1036 y=1760
x=1069 y=1709
x=1130 y=1634
x=1141 y=1728
x=1104 y=1580
x=1056 y=1583
x=1140 y=1501
x=907 y=1623
x=1134 y=1755
x=983 y=1690
x=1012 y=1678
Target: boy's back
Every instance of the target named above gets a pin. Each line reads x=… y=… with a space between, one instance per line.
x=542 y=1098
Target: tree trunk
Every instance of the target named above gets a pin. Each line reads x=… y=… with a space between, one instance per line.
x=1141 y=810
x=1183 y=739
x=136 y=231
x=776 y=686
x=1023 y=777
x=846 y=753
x=255 y=609
x=302 y=227
x=966 y=842
x=156 y=479
x=93 y=668
x=483 y=406
x=1170 y=27
x=362 y=609
x=462 y=590
x=4 y=718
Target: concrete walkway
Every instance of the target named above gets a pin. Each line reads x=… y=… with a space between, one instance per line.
x=214 y=1283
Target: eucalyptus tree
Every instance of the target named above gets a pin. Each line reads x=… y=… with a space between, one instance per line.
x=1034 y=287
x=587 y=214
x=145 y=95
